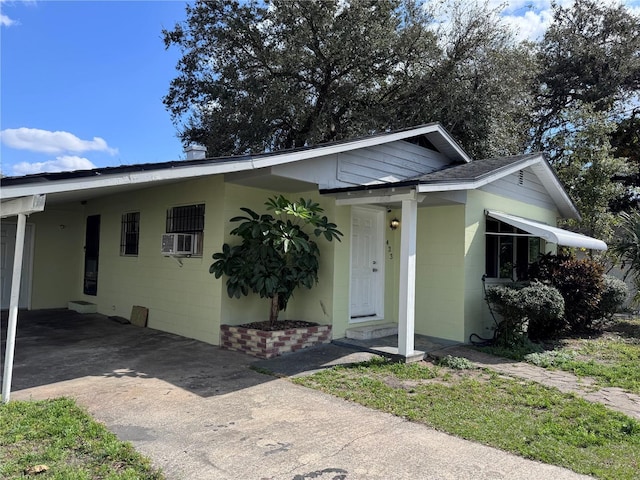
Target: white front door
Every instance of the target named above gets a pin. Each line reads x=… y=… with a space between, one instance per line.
x=7 y=251
x=367 y=265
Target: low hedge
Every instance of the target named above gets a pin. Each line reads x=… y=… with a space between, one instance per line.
x=536 y=310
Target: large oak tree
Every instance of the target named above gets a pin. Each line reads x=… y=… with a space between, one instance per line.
x=258 y=76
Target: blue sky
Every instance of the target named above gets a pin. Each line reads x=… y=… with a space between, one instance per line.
x=81 y=82
x=84 y=81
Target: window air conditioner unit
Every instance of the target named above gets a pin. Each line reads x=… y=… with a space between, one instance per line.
x=178 y=244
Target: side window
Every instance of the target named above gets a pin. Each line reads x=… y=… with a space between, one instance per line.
x=188 y=219
x=509 y=251
x=130 y=234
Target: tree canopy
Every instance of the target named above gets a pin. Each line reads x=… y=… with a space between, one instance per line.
x=590 y=54
x=256 y=76
x=267 y=75
x=588 y=167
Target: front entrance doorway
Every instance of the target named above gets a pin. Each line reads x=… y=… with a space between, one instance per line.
x=7 y=251
x=367 y=265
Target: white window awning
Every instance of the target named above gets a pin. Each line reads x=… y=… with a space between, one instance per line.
x=550 y=234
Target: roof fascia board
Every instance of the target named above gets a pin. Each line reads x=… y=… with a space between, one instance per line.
x=275 y=159
x=102 y=181
x=380 y=199
x=453 y=143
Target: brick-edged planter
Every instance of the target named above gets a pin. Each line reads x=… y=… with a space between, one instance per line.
x=269 y=344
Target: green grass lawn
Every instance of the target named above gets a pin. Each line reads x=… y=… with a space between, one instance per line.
x=612 y=358
x=517 y=416
x=63 y=437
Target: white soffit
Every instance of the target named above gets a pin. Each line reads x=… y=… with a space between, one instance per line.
x=550 y=234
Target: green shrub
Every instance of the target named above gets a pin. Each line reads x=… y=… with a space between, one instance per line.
x=544 y=308
x=614 y=295
x=580 y=282
x=277 y=254
x=536 y=309
x=505 y=301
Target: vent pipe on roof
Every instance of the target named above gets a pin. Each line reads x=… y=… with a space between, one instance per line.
x=196 y=152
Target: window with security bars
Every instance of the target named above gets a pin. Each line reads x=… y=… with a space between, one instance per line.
x=188 y=219
x=130 y=233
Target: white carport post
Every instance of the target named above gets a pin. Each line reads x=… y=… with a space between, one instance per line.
x=407 y=293
x=22 y=207
x=13 y=308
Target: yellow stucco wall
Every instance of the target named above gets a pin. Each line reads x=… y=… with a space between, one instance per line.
x=440 y=272
x=235 y=311
x=56 y=266
x=341 y=269
x=183 y=299
x=450 y=262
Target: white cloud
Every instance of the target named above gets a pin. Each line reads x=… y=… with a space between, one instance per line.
x=531 y=25
x=530 y=18
x=5 y=21
x=36 y=140
x=65 y=163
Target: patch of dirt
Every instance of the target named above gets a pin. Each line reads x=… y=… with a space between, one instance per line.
x=446 y=376
x=628 y=327
x=279 y=325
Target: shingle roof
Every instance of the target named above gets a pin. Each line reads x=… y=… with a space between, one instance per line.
x=472 y=171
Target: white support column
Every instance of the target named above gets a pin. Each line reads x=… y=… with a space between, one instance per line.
x=13 y=308
x=407 y=293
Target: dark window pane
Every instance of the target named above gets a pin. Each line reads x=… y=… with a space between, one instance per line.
x=522 y=257
x=491 y=268
x=130 y=233
x=506 y=257
x=185 y=219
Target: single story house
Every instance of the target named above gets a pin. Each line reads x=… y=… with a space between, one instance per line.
x=422 y=222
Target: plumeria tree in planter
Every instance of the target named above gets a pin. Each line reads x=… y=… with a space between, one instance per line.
x=277 y=252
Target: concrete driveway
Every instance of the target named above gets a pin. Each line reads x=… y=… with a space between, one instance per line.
x=200 y=412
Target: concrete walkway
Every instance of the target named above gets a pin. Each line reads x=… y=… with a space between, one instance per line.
x=200 y=412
